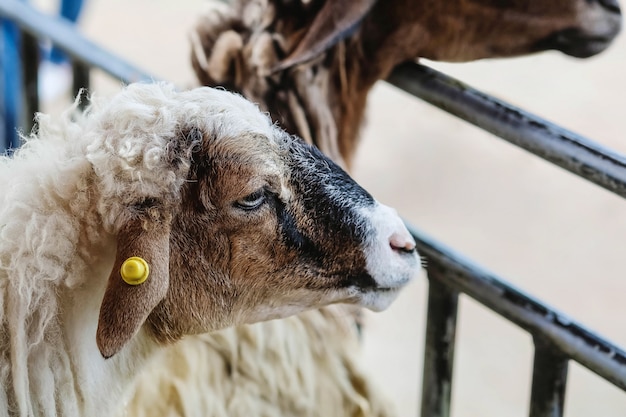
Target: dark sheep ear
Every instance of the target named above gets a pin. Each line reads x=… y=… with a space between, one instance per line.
x=335 y=21
x=128 y=300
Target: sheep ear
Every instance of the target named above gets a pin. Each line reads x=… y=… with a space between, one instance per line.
x=126 y=307
x=334 y=22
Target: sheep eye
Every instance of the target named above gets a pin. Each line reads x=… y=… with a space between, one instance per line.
x=252 y=201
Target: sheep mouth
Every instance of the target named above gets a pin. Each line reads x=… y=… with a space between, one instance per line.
x=361 y=282
x=388 y=289
x=576 y=43
x=366 y=284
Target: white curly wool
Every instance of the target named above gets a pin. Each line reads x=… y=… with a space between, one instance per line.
x=305 y=366
x=39 y=257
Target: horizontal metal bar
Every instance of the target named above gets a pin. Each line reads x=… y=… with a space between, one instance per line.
x=566 y=149
x=575 y=341
x=439 y=348
x=549 y=380
x=65 y=36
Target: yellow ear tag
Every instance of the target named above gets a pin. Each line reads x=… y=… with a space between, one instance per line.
x=135 y=270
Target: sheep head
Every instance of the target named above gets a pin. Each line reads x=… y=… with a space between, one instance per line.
x=466 y=30
x=238 y=221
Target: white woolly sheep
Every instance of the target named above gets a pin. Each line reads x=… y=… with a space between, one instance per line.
x=311 y=64
x=232 y=220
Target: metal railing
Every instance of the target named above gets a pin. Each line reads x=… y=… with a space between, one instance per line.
x=33 y=26
x=557 y=338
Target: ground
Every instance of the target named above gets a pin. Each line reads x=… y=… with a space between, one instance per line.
x=548 y=232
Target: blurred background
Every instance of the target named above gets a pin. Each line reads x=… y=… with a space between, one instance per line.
x=546 y=231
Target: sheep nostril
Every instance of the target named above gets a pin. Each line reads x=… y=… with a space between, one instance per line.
x=408 y=250
x=402 y=243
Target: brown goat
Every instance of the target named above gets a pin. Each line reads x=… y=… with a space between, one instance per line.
x=312 y=63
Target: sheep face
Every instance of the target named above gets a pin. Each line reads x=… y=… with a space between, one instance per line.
x=253 y=225
x=269 y=227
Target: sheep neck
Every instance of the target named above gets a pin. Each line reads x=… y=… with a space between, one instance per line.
x=102 y=385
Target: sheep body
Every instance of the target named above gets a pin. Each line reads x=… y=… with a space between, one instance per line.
x=271 y=369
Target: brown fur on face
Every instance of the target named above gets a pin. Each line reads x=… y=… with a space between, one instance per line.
x=342 y=72
x=238 y=221
x=231 y=266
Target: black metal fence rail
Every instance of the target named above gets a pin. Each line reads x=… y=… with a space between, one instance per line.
x=84 y=54
x=557 y=339
x=553 y=143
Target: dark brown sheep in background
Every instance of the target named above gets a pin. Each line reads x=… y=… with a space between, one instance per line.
x=311 y=64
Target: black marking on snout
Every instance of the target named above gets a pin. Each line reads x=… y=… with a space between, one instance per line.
x=295 y=239
x=313 y=172
x=323 y=222
x=319 y=257
x=363 y=281
x=610 y=5
x=329 y=200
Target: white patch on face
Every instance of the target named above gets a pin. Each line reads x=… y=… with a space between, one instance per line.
x=377 y=300
x=390 y=256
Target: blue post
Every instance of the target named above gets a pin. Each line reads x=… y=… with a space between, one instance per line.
x=10 y=84
x=70 y=11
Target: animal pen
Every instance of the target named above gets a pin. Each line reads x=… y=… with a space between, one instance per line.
x=557 y=339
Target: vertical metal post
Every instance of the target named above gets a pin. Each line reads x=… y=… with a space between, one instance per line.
x=439 y=346
x=80 y=83
x=11 y=82
x=4 y=137
x=549 y=380
x=30 y=66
